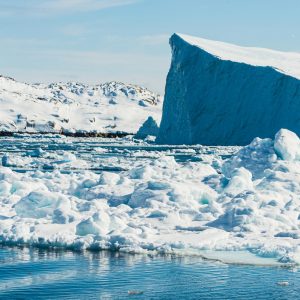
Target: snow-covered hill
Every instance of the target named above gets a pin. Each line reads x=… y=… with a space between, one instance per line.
x=74 y=107
x=223 y=94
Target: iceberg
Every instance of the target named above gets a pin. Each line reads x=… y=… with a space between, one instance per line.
x=149 y=127
x=223 y=94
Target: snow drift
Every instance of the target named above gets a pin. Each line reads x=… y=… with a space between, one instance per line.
x=222 y=94
x=74 y=107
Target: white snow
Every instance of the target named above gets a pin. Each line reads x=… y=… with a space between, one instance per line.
x=287 y=145
x=74 y=107
x=285 y=62
x=215 y=207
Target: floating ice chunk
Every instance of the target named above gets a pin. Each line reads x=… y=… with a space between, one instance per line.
x=232 y=218
x=69 y=157
x=98 y=224
x=166 y=162
x=240 y=181
x=116 y=223
x=283 y=283
x=88 y=183
x=157 y=214
x=144 y=172
x=6 y=160
x=149 y=127
x=38 y=205
x=287 y=145
x=60 y=216
x=293 y=235
x=109 y=178
x=147 y=172
x=158 y=185
x=35 y=153
x=87 y=227
x=135 y=293
x=101 y=150
x=5 y=188
x=141 y=197
x=150 y=139
x=256 y=157
x=49 y=167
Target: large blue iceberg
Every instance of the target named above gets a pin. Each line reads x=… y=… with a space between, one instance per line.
x=223 y=94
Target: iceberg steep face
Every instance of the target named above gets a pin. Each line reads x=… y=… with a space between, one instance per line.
x=149 y=127
x=222 y=94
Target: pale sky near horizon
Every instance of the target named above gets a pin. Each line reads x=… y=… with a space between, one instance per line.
x=94 y=41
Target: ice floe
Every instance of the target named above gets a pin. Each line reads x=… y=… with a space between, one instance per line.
x=248 y=201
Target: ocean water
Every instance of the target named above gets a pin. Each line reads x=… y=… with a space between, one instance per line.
x=43 y=274
x=94 y=154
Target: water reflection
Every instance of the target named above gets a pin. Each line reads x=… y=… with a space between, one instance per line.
x=27 y=273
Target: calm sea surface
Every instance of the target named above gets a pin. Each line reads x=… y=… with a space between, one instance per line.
x=42 y=274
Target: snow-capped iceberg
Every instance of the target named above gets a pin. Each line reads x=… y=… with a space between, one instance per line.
x=223 y=94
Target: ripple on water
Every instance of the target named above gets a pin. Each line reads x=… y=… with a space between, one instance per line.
x=41 y=274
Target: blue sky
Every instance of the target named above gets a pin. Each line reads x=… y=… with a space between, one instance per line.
x=127 y=40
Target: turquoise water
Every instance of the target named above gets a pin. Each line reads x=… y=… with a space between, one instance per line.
x=41 y=274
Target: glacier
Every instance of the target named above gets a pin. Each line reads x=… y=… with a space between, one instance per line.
x=74 y=108
x=223 y=94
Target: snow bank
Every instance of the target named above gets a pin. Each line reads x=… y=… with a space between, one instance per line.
x=222 y=94
x=74 y=107
x=248 y=202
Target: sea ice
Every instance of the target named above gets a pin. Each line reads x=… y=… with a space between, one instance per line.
x=248 y=202
x=287 y=145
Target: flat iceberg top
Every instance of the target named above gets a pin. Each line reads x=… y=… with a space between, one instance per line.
x=284 y=62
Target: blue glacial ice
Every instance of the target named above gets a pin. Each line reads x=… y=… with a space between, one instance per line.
x=223 y=94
